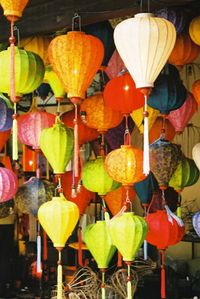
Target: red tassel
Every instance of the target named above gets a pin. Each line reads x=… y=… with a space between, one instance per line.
x=80 y=253
x=45 y=254
x=119 y=260
x=76 y=145
x=163 y=287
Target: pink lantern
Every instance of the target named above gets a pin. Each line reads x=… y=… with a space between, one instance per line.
x=179 y=118
x=115 y=65
x=31 y=125
x=8 y=184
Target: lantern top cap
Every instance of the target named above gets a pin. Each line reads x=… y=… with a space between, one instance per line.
x=144 y=15
x=75 y=32
x=126 y=146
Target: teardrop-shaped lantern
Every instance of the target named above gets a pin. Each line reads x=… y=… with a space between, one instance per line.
x=76 y=57
x=181 y=116
x=194 y=28
x=161 y=126
x=121 y=95
x=13 y=8
x=6 y=111
x=57 y=145
x=196 y=91
x=98 y=115
x=52 y=79
x=164 y=159
x=96 y=179
x=8 y=184
x=196 y=222
x=115 y=65
x=176 y=16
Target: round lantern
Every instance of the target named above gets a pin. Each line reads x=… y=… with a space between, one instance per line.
x=121 y=95
x=161 y=126
x=38 y=45
x=57 y=145
x=181 y=116
x=185 y=50
x=56 y=85
x=98 y=115
x=116 y=199
x=13 y=9
x=194 y=30
x=196 y=222
x=29 y=71
x=6 y=111
x=196 y=91
x=125 y=165
x=32 y=194
x=169 y=92
x=115 y=65
x=76 y=57
x=96 y=179
x=4 y=136
x=85 y=134
x=176 y=17
x=31 y=125
x=164 y=159
x=8 y=184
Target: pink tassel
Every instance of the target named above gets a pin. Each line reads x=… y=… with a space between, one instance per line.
x=146 y=166
x=163 y=286
x=76 y=145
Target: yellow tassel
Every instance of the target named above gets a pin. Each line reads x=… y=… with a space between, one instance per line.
x=14 y=140
x=103 y=293
x=129 y=290
x=59 y=282
x=103 y=290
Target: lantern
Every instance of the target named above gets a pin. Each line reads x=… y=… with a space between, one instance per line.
x=43 y=90
x=8 y=184
x=14 y=8
x=57 y=145
x=32 y=194
x=4 y=136
x=196 y=222
x=96 y=179
x=115 y=65
x=164 y=229
x=195 y=154
x=121 y=95
x=169 y=93
x=164 y=159
x=38 y=45
x=194 y=28
x=115 y=199
x=29 y=159
x=31 y=125
x=162 y=126
x=196 y=91
x=56 y=85
x=85 y=134
x=176 y=17
x=128 y=232
x=185 y=50
x=181 y=116
x=65 y=215
x=6 y=208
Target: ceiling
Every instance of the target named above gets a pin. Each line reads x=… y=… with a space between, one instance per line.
x=48 y=16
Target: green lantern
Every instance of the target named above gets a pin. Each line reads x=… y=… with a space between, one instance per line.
x=96 y=179
x=128 y=232
x=99 y=243
x=57 y=145
x=29 y=71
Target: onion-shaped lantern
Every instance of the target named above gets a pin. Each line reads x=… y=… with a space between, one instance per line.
x=53 y=80
x=176 y=17
x=194 y=28
x=8 y=184
x=14 y=8
x=196 y=91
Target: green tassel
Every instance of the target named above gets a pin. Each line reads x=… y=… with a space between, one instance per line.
x=14 y=140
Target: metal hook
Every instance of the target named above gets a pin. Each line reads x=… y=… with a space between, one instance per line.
x=76 y=18
x=18 y=35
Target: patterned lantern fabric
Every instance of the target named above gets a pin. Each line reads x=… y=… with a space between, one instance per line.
x=13 y=8
x=115 y=65
x=6 y=112
x=32 y=194
x=8 y=184
x=196 y=222
x=194 y=30
x=164 y=159
x=176 y=17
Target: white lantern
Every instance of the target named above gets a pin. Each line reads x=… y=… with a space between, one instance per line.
x=196 y=155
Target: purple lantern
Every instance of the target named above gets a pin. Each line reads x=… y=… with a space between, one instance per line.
x=8 y=184
x=176 y=17
x=6 y=113
x=196 y=222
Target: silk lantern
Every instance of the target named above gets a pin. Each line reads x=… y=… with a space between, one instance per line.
x=196 y=91
x=196 y=154
x=196 y=222
x=57 y=145
x=115 y=65
x=4 y=136
x=6 y=111
x=128 y=232
x=56 y=85
x=8 y=184
x=175 y=16
x=164 y=158
x=98 y=241
x=13 y=9
x=194 y=28
x=164 y=229
x=65 y=214
x=185 y=50
x=162 y=126
x=181 y=116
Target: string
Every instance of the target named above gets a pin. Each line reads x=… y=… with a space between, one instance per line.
x=76 y=144
x=127 y=135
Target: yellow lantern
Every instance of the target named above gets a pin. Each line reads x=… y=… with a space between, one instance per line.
x=52 y=79
x=58 y=218
x=13 y=8
x=194 y=30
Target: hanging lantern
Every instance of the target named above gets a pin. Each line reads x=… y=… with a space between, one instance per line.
x=4 y=136
x=121 y=95
x=164 y=158
x=85 y=134
x=169 y=92
x=38 y=45
x=128 y=232
x=6 y=208
x=52 y=79
x=161 y=126
x=164 y=229
x=115 y=65
x=13 y=9
x=194 y=30
x=31 y=125
x=196 y=91
x=196 y=222
x=83 y=197
x=96 y=179
x=196 y=154
x=8 y=184
x=6 y=111
x=185 y=50
x=29 y=159
x=116 y=199
x=65 y=215
x=181 y=116
x=137 y=116
x=57 y=145
x=125 y=165
x=32 y=194
x=176 y=17
x=43 y=90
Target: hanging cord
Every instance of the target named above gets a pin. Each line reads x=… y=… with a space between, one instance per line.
x=163 y=286
x=127 y=135
x=15 y=28
x=73 y=189
x=163 y=130
x=58 y=106
x=141 y=6
x=76 y=143
x=59 y=188
x=80 y=252
x=102 y=146
x=146 y=166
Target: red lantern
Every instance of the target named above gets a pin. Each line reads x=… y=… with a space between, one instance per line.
x=115 y=65
x=121 y=94
x=85 y=134
x=4 y=136
x=29 y=159
x=161 y=126
x=8 y=184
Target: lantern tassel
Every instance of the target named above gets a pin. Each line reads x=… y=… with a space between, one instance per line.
x=45 y=253
x=145 y=250
x=15 y=133
x=146 y=166
x=129 y=288
x=80 y=252
x=163 y=287
x=59 y=277
x=76 y=145
x=39 y=269
x=103 y=289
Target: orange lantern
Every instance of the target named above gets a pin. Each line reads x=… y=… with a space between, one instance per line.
x=185 y=50
x=196 y=91
x=161 y=126
x=4 y=136
x=13 y=9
